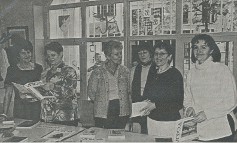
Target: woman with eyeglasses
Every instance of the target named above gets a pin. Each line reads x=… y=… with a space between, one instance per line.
x=210 y=92
x=164 y=94
x=140 y=75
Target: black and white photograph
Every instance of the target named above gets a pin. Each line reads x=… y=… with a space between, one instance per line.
x=120 y=70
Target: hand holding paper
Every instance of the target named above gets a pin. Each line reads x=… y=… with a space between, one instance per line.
x=137 y=107
x=149 y=107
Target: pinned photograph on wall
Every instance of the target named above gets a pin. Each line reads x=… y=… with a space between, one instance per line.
x=64 y=22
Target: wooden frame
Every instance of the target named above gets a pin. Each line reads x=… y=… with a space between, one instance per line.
x=180 y=37
x=22 y=31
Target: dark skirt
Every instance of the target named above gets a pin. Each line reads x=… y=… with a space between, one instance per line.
x=26 y=110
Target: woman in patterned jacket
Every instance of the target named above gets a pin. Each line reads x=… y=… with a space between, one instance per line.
x=61 y=81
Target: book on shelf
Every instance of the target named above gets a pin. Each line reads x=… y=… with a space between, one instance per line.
x=185 y=130
x=28 y=124
x=16 y=139
x=34 y=90
x=58 y=135
x=88 y=133
x=116 y=134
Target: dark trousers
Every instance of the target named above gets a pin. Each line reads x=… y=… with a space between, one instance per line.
x=143 y=123
x=113 y=120
x=228 y=138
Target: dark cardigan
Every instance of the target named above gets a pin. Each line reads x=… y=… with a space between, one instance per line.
x=136 y=83
x=166 y=91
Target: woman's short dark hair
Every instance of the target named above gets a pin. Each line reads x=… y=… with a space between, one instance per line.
x=24 y=44
x=216 y=54
x=112 y=44
x=146 y=46
x=167 y=47
x=54 y=46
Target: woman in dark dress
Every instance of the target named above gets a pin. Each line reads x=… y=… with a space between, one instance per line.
x=164 y=94
x=22 y=72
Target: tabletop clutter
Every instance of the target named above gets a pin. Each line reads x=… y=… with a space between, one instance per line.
x=19 y=130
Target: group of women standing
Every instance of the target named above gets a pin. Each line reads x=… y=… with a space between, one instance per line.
x=59 y=79
x=209 y=95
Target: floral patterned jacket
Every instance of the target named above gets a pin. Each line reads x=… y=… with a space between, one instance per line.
x=64 y=106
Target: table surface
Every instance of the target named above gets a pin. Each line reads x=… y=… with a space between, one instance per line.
x=43 y=129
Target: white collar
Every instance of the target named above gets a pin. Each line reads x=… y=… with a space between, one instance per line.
x=205 y=64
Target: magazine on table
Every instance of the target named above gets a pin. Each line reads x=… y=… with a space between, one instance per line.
x=88 y=133
x=59 y=135
x=16 y=139
x=28 y=124
x=116 y=134
x=186 y=130
x=6 y=127
x=34 y=90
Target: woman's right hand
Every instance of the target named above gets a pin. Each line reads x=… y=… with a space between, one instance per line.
x=48 y=86
x=189 y=112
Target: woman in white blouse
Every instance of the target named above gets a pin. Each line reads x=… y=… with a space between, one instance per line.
x=210 y=93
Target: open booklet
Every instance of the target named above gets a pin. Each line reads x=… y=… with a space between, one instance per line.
x=185 y=130
x=33 y=90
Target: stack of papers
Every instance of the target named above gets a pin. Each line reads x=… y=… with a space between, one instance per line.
x=137 y=107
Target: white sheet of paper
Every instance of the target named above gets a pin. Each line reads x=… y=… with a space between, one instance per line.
x=136 y=107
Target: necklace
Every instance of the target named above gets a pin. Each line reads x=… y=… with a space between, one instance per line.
x=159 y=71
x=29 y=66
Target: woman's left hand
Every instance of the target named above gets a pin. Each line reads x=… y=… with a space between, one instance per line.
x=200 y=117
x=147 y=110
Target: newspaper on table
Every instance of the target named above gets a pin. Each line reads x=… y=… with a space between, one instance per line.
x=28 y=124
x=136 y=108
x=116 y=134
x=60 y=135
x=185 y=130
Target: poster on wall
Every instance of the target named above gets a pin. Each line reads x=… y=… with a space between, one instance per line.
x=63 y=22
x=19 y=30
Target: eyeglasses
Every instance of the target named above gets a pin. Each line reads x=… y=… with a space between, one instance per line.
x=142 y=52
x=160 y=54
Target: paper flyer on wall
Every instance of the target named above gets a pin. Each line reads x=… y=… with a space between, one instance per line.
x=186 y=130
